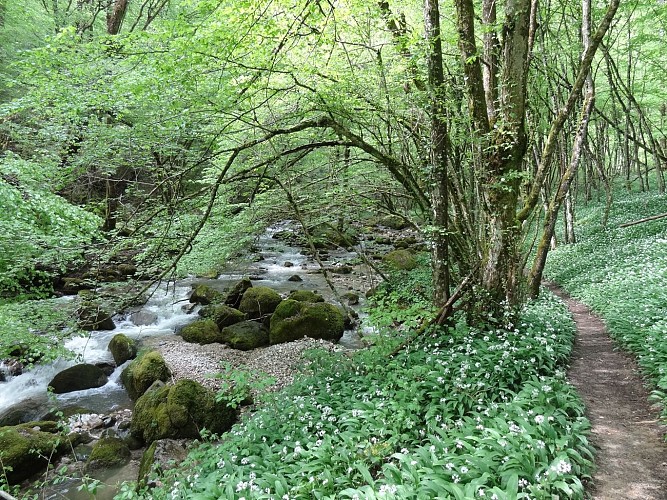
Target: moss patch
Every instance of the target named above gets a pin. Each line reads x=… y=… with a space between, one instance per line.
x=179 y=411
x=293 y=320
x=204 y=331
x=143 y=371
x=108 y=453
x=259 y=301
x=25 y=449
x=122 y=348
x=305 y=296
x=403 y=260
x=223 y=315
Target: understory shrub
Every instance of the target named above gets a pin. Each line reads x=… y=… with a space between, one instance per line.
x=459 y=413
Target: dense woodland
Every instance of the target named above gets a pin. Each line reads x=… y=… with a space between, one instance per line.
x=154 y=139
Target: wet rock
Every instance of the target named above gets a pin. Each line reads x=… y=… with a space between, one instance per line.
x=143 y=318
x=107 y=368
x=293 y=320
x=122 y=348
x=351 y=297
x=305 y=296
x=78 y=378
x=107 y=453
x=11 y=368
x=143 y=371
x=94 y=317
x=245 y=336
x=179 y=411
x=222 y=314
x=204 y=294
x=72 y=286
x=342 y=269
x=403 y=260
x=288 y=264
x=259 y=301
x=204 y=331
x=28 y=448
x=236 y=294
x=295 y=278
x=383 y=240
x=24 y=411
x=394 y=222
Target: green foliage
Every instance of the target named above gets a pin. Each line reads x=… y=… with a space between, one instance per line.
x=42 y=232
x=621 y=273
x=34 y=331
x=405 y=299
x=239 y=386
x=461 y=410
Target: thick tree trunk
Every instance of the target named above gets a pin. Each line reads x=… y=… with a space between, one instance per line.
x=115 y=15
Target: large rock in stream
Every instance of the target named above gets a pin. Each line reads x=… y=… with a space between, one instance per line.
x=204 y=294
x=78 y=378
x=222 y=314
x=143 y=371
x=204 y=331
x=122 y=348
x=259 y=301
x=293 y=320
x=108 y=453
x=245 y=336
x=179 y=411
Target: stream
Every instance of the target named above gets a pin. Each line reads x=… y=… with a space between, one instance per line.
x=25 y=397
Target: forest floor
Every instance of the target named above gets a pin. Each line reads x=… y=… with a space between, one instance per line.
x=629 y=439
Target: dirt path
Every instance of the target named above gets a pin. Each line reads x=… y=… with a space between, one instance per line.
x=631 y=452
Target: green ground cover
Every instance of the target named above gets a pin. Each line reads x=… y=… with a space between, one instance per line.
x=462 y=413
x=621 y=273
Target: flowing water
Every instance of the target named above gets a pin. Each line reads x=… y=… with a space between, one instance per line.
x=25 y=397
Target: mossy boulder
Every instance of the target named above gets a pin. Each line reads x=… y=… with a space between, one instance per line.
x=222 y=314
x=326 y=236
x=78 y=378
x=143 y=371
x=94 y=317
x=351 y=297
x=305 y=296
x=236 y=294
x=204 y=331
x=122 y=348
x=293 y=320
x=26 y=449
x=393 y=222
x=259 y=301
x=179 y=411
x=403 y=260
x=162 y=455
x=108 y=453
x=245 y=336
x=204 y=294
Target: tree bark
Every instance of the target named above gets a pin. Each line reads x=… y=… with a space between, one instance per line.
x=115 y=15
x=439 y=154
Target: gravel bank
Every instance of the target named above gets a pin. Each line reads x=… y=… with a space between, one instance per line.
x=200 y=362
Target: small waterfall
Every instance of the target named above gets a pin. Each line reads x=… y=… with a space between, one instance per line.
x=26 y=394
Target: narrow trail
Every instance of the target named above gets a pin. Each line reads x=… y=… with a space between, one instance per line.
x=631 y=451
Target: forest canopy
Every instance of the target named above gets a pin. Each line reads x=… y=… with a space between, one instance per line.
x=181 y=124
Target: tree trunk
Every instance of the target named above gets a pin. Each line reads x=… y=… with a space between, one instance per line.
x=115 y=15
x=438 y=155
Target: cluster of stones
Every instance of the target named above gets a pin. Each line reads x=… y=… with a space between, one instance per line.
x=255 y=316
